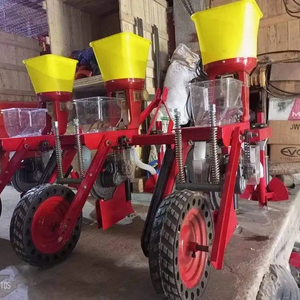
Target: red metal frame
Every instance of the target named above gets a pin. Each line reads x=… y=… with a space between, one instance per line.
x=118 y=205
x=226 y=218
x=111 y=211
x=84 y=189
x=13 y=164
x=295 y=260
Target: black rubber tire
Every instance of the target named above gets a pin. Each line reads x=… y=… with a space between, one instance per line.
x=163 y=245
x=20 y=227
x=278 y=283
x=19 y=183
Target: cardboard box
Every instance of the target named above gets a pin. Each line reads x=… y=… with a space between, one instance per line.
x=285 y=153
x=285 y=132
x=284 y=109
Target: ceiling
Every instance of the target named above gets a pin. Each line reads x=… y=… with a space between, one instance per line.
x=97 y=7
x=23 y=17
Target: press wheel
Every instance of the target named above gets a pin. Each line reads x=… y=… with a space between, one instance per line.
x=35 y=222
x=183 y=225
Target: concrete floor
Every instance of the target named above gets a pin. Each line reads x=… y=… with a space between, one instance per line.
x=110 y=265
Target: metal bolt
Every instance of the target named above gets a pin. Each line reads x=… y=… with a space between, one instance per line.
x=108 y=143
x=91 y=174
x=191 y=143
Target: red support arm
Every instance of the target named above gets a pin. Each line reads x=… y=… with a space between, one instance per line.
x=84 y=189
x=226 y=217
x=13 y=164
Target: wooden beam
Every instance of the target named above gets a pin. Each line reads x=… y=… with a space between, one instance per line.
x=131 y=19
x=285 y=71
x=275 y=20
x=7 y=66
x=16 y=92
x=31 y=44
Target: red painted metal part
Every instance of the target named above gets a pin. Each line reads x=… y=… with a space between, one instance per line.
x=13 y=165
x=191 y=263
x=45 y=225
x=202 y=134
x=150 y=184
x=160 y=100
x=295 y=260
x=261 y=134
x=133 y=89
x=262 y=197
x=84 y=189
x=231 y=66
x=115 y=209
x=240 y=65
x=60 y=107
x=91 y=140
x=226 y=218
x=260 y=117
x=277 y=190
x=11 y=144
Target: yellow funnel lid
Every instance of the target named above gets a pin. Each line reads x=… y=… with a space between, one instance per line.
x=123 y=55
x=51 y=73
x=228 y=31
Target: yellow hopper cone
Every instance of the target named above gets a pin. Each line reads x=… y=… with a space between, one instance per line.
x=51 y=73
x=228 y=31
x=123 y=55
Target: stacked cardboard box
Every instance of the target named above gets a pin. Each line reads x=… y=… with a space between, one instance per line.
x=284 y=119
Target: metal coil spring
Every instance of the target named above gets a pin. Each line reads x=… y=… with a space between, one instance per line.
x=79 y=148
x=178 y=147
x=247 y=159
x=215 y=166
x=58 y=151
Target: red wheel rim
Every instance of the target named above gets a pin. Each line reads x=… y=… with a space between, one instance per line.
x=193 y=230
x=45 y=225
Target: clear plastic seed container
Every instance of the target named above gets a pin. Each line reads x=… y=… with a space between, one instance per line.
x=225 y=93
x=98 y=114
x=23 y=122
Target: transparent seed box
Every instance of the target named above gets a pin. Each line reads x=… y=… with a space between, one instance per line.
x=23 y=122
x=225 y=93
x=98 y=114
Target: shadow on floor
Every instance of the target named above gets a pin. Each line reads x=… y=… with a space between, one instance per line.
x=104 y=265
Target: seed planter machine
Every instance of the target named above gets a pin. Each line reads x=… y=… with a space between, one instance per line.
x=186 y=231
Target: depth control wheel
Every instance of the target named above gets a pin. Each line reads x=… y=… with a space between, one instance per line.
x=27 y=177
x=179 y=246
x=35 y=223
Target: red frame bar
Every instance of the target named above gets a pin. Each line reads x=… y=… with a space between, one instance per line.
x=84 y=189
x=13 y=164
x=226 y=217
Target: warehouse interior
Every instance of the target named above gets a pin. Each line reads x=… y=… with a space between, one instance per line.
x=150 y=149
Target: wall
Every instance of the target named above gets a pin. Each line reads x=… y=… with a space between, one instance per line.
x=14 y=82
x=151 y=12
x=69 y=28
x=278 y=31
x=184 y=27
x=103 y=26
